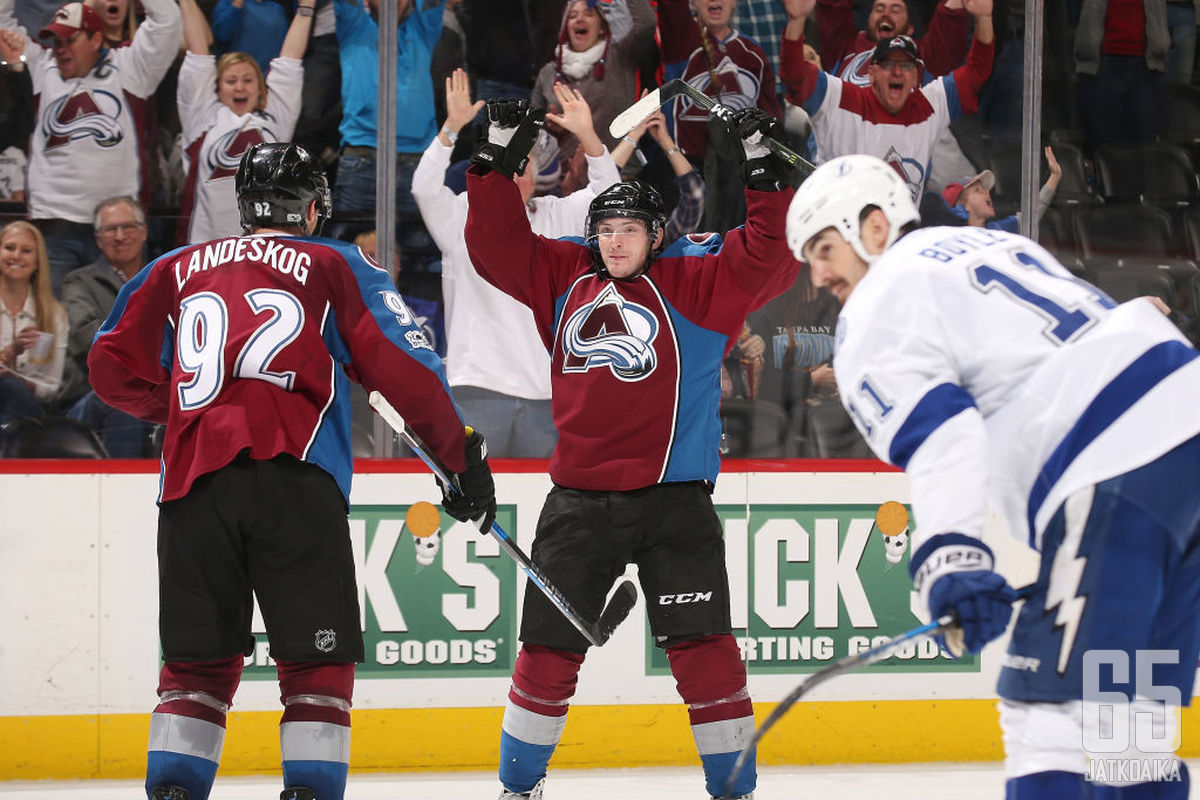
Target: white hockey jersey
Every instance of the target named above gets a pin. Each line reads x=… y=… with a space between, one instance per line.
x=972 y=359
x=214 y=139
x=847 y=119
x=87 y=141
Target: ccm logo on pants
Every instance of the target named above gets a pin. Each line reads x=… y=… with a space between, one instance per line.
x=686 y=597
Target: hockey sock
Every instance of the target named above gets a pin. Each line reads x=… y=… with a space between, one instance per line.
x=187 y=728
x=1170 y=789
x=1053 y=785
x=711 y=679
x=543 y=682
x=314 y=733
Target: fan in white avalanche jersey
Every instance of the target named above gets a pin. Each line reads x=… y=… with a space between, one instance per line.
x=972 y=359
x=219 y=125
x=88 y=143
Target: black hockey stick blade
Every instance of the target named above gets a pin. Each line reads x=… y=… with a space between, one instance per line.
x=942 y=625
x=617 y=610
x=619 y=606
x=637 y=113
x=821 y=676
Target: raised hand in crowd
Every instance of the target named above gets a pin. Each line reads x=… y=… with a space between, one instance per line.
x=12 y=47
x=1055 y=168
x=459 y=108
x=799 y=10
x=576 y=118
x=978 y=8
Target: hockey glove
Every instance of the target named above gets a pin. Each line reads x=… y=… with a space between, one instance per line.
x=475 y=498
x=762 y=169
x=512 y=129
x=954 y=574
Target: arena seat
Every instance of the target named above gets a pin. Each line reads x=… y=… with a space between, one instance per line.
x=754 y=429
x=49 y=437
x=1128 y=229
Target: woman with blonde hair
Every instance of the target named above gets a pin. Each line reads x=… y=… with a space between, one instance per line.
x=120 y=21
x=225 y=106
x=33 y=325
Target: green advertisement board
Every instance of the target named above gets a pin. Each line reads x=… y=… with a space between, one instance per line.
x=811 y=584
x=454 y=617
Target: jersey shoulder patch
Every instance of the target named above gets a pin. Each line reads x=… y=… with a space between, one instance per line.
x=694 y=244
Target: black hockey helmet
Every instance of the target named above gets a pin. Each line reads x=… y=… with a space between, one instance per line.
x=275 y=183
x=627 y=199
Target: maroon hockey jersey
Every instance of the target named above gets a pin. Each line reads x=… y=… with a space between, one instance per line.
x=635 y=364
x=245 y=343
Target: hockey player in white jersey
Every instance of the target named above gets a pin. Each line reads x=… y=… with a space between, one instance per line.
x=973 y=360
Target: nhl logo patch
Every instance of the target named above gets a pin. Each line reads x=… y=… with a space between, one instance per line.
x=325 y=641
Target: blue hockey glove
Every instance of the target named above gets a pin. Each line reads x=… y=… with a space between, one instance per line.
x=980 y=600
x=954 y=574
x=475 y=501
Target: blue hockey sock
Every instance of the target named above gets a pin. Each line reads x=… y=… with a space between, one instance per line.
x=327 y=779
x=314 y=754
x=195 y=774
x=718 y=766
x=522 y=764
x=184 y=752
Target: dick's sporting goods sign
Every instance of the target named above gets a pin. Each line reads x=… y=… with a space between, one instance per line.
x=437 y=599
x=809 y=585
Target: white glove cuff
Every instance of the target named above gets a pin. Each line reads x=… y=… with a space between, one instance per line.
x=755 y=146
x=499 y=135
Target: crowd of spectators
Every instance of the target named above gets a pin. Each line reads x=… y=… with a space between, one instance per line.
x=122 y=123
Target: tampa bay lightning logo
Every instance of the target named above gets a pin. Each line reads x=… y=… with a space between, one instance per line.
x=84 y=115
x=611 y=332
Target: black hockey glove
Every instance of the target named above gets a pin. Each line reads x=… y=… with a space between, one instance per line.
x=762 y=169
x=512 y=128
x=475 y=499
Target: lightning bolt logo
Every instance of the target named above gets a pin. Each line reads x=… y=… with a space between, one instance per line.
x=1066 y=573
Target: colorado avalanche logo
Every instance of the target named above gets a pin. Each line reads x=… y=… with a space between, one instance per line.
x=226 y=154
x=737 y=88
x=912 y=172
x=857 y=69
x=81 y=116
x=611 y=332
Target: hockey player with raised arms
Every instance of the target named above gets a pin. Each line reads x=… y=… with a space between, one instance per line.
x=636 y=336
x=976 y=362
x=246 y=358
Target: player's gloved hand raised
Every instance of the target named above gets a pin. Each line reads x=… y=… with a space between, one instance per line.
x=763 y=169
x=954 y=574
x=505 y=119
x=475 y=499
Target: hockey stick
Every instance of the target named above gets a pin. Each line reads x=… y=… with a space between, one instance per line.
x=637 y=113
x=938 y=627
x=622 y=599
x=640 y=111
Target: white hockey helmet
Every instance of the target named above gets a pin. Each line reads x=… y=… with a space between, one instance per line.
x=835 y=195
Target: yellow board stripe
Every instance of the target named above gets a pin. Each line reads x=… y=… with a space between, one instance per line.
x=442 y=739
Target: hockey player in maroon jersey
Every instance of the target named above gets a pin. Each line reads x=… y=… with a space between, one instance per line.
x=243 y=347
x=636 y=338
